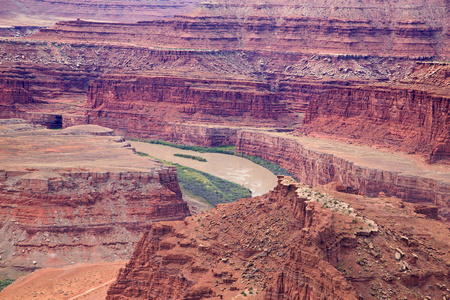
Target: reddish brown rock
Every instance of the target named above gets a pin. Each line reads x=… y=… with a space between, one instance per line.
x=14 y=91
x=147 y=106
x=365 y=169
x=77 y=195
x=415 y=121
x=23 y=12
x=363 y=29
x=284 y=246
x=209 y=257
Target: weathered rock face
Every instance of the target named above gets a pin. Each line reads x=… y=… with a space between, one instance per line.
x=19 y=31
x=197 y=135
x=175 y=261
x=402 y=118
x=190 y=96
x=284 y=246
x=317 y=166
x=14 y=91
x=77 y=195
x=145 y=105
x=371 y=28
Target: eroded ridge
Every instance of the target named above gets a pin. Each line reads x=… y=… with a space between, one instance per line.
x=282 y=246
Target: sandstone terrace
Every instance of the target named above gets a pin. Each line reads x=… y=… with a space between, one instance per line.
x=77 y=195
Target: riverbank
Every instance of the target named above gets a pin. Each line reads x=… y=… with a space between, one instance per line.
x=233 y=168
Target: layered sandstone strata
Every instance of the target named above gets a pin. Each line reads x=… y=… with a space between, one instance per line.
x=401 y=117
x=144 y=105
x=364 y=169
x=14 y=91
x=370 y=29
x=287 y=245
x=77 y=195
x=210 y=258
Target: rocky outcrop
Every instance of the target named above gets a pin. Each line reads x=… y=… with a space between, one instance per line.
x=368 y=30
x=220 y=262
x=19 y=31
x=415 y=121
x=292 y=243
x=324 y=163
x=189 y=96
x=77 y=195
x=14 y=91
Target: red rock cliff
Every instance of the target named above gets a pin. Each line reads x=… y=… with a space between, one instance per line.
x=293 y=243
x=146 y=105
x=14 y=91
x=352 y=166
x=369 y=28
x=77 y=197
x=210 y=257
x=402 y=118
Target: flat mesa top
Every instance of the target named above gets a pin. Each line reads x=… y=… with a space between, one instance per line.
x=373 y=158
x=29 y=148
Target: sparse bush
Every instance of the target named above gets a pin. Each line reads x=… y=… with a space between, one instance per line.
x=213 y=189
x=5 y=282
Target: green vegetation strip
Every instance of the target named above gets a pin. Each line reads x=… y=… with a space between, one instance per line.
x=191 y=157
x=231 y=150
x=221 y=149
x=5 y=282
x=212 y=189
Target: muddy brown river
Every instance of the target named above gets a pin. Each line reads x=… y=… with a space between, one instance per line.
x=233 y=168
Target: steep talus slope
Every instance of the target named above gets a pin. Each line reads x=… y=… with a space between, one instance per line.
x=284 y=245
x=319 y=59
x=362 y=71
x=77 y=195
x=242 y=64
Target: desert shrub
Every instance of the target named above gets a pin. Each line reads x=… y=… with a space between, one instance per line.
x=5 y=282
x=220 y=149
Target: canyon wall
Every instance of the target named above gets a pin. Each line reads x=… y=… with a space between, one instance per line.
x=152 y=106
x=399 y=117
x=319 y=167
x=47 y=12
x=264 y=96
x=269 y=27
x=189 y=96
x=59 y=218
x=77 y=195
x=14 y=91
x=289 y=244
x=175 y=261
